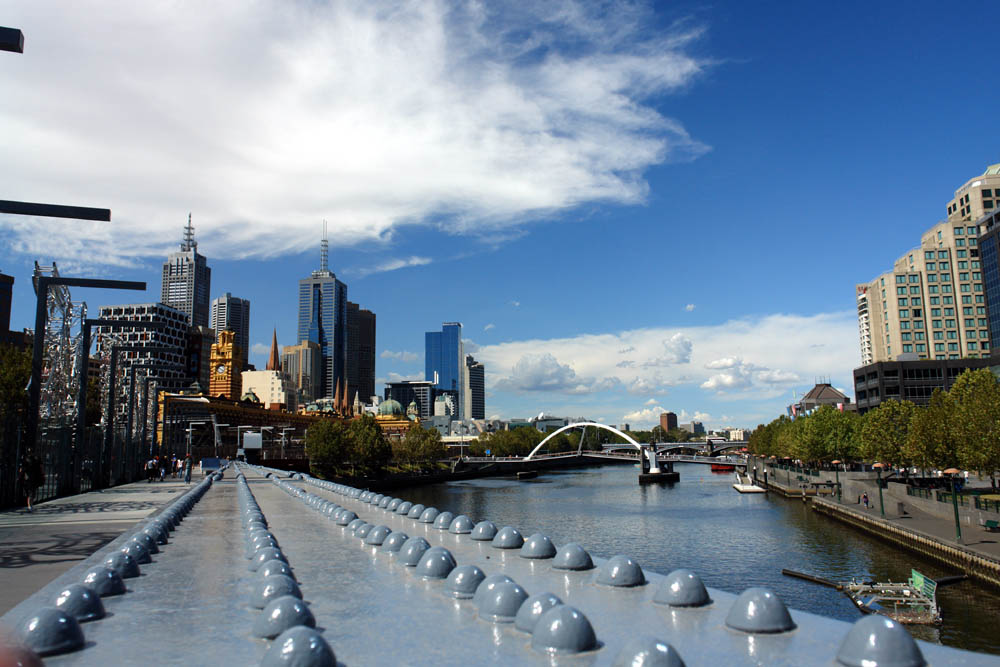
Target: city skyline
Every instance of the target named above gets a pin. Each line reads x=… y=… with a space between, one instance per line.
x=643 y=210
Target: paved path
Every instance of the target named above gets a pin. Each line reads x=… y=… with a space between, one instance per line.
x=37 y=547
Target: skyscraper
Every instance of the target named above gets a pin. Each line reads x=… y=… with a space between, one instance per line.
x=360 y=353
x=303 y=365
x=323 y=320
x=444 y=361
x=475 y=397
x=187 y=280
x=932 y=304
x=231 y=313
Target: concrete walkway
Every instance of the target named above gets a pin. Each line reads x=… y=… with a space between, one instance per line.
x=37 y=547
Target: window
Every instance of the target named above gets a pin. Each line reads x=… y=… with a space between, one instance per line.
x=958 y=231
x=914 y=290
x=900 y=279
x=971 y=345
x=963 y=265
x=905 y=336
x=979 y=298
x=936 y=324
x=980 y=310
x=973 y=242
x=900 y=290
x=919 y=335
x=882 y=281
x=942 y=254
x=975 y=264
x=965 y=287
x=929 y=254
x=977 y=287
x=932 y=277
x=904 y=313
x=932 y=289
x=952 y=335
x=939 y=347
x=967 y=310
x=901 y=302
x=986 y=192
x=946 y=289
x=914 y=278
x=907 y=347
x=959 y=242
x=987 y=204
x=972 y=230
x=976 y=275
x=917 y=312
x=952 y=347
x=935 y=300
x=921 y=347
x=950 y=324
x=949 y=311
x=969 y=322
x=915 y=301
x=985 y=345
x=943 y=266
x=960 y=253
x=931 y=266
x=918 y=324
x=938 y=335
x=982 y=321
x=904 y=325
x=966 y=299
x=963 y=276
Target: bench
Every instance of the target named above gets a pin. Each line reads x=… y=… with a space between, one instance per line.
x=991 y=525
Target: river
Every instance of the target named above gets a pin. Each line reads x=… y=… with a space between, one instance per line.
x=731 y=540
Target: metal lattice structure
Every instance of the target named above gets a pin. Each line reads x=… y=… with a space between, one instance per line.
x=63 y=344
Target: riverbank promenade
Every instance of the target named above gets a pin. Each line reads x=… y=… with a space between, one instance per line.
x=37 y=547
x=258 y=561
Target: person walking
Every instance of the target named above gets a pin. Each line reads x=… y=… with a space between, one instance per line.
x=31 y=476
x=163 y=468
x=187 y=469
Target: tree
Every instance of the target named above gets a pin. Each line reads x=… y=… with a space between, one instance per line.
x=370 y=451
x=420 y=444
x=328 y=447
x=15 y=371
x=976 y=426
x=885 y=431
x=930 y=441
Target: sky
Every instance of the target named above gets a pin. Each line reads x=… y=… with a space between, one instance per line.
x=632 y=207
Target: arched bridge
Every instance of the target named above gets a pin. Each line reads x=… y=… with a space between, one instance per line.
x=631 y=443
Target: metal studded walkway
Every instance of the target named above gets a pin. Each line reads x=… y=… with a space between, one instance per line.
x=376 y=598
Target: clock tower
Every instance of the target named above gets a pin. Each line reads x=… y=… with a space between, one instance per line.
x=226 y=367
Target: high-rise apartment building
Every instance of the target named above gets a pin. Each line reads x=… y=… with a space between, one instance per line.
x=475 y=382
x=187 y=280
x=989 y=251
x=668 y=421
x=231 y=313
x=360 y=353
x=980 y=195
x=323 y=320
x=303 y=365
x=932 y=304
x=444 y=361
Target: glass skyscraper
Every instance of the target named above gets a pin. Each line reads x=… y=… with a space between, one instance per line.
x=323 y=320
x=444 y=361
x=187 y=280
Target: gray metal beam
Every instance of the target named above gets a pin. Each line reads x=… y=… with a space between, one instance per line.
x=53 y=210
x=11 y=39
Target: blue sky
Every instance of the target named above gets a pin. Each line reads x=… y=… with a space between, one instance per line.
x=631 y=207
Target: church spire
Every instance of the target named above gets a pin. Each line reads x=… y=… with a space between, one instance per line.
x=273 y=363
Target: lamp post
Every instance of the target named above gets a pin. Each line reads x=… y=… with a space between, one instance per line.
x=836 y=472
x=262 y=429
x=953 y=473
x=878 y=473
x=283 y=431
x=190 y=428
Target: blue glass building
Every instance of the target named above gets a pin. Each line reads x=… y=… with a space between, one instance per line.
x=989 y=249
x=444 y=356
x=322 y=320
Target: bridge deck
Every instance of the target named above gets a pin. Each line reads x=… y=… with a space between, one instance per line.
x=192 y=604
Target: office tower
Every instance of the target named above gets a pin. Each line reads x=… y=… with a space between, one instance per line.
x=230 y=313
x=475 y=382
x=199 y=355
x=172 y=364
x=187 y=280
x=360 y=353
x=979 y=196
x=226 y=381
x=989 y=249
x=668 y=421
x=322 y=320
x=303 y=365
x=444 y=361
x=932 y=304
x=409 y=391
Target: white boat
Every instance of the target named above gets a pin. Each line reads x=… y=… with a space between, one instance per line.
x=747 y=486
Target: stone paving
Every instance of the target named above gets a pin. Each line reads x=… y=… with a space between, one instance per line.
x=37 y=547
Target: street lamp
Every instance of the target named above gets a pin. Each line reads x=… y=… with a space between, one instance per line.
x=283 y=431
x=262 y=429
x=953 y=473
x=836 y=472
x=189 y=429
x=878 y=472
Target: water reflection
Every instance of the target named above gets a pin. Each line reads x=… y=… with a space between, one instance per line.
x=732 y=541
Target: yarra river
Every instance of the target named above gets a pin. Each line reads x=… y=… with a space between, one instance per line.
x=732 y=541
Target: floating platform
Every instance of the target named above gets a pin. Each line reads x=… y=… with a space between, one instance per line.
x=748 y=486
x=668 y=477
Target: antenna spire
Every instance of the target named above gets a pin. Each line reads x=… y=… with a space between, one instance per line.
x=189 y=243
x=324 y=250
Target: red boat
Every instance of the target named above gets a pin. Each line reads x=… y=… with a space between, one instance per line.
x=723 y=467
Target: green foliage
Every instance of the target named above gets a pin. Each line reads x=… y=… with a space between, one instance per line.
x=328 y=446
x=930 y=442
x=518 y=442
x=15 y=371
x=885 y=431
x=976 y=426
x=370 y=451
x=419 y=444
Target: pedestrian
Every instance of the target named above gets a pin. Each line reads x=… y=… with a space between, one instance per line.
x=187 y=469
x=864 y=498
x=173 y=466
x=163 y=468
x=31 y=476
x=150 y=467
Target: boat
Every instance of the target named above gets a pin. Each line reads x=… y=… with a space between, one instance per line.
x=913 y=602
x=723 y=467
x=748 y=486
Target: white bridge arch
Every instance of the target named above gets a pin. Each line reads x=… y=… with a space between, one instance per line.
x=582 y=425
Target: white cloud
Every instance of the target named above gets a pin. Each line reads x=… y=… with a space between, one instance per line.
x=489 y=326
x=689 y=307
x=543 y=372
x=403 y=355
x=391 y=265
x=265 y=118
x=398 y=377
x=260 y=348
x=737 y=358
x=651 y=401
x=643 y=417
x=516 y=304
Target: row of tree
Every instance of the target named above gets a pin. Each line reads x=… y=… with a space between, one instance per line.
x=359 y=447
x=959 y=428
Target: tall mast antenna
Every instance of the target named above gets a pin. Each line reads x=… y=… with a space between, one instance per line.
x=189 y=243
x=324 y=250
